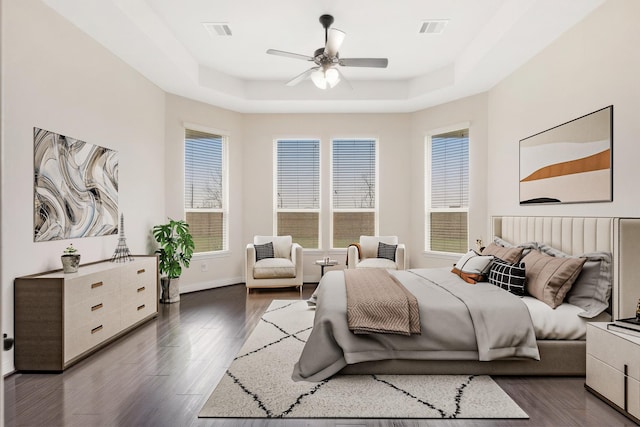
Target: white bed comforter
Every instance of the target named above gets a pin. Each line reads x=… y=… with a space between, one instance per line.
x=459 y=321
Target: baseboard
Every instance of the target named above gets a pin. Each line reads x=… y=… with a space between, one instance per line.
x=201 y=286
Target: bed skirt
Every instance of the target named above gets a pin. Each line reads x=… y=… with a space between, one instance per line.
x=557 y=358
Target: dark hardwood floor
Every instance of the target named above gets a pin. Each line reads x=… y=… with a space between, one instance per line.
x=162 y=373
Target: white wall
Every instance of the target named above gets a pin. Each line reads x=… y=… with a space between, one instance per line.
x=56 y=78
x=593 y=65
x=394 y=142
x=472 y=112
x=206 y=270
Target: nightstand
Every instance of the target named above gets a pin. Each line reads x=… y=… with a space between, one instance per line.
x=613 y=369
x=325 y=263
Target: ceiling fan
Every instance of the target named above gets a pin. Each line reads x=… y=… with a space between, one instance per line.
x=326 y=73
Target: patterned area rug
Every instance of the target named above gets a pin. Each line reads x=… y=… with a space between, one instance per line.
x=258 y=383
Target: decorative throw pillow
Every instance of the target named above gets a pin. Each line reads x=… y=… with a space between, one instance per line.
x=550 y=278
x=510 y=277
x=510 y=255
x=472 y=267
x=592 y=289
x=264 y=251
x=472 y=278
x=387 y=251
x=526 y=247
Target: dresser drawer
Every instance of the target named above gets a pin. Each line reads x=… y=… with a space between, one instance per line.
x=86 y=336
x=80 y=288
x=133 y=313
x=140 y=272
x=609 y=382
x=90 y=310
x=614 y=350
x=606 y=380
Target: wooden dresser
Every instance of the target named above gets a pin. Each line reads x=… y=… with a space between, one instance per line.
x=62 y=318
x=613 y=368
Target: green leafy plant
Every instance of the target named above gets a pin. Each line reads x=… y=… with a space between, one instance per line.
x=176 y=247
x=70 y=250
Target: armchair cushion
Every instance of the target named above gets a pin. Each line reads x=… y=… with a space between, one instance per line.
x=377 y=263
x=387 y=251
x=281 y=245
x=274 y=268
x=264 y=251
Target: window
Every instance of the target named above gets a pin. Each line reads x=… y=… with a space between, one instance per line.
x=354 y=190
x=447 y=198
x=205 y=190
x=298 y=191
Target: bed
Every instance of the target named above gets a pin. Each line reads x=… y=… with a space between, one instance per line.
x=572 y=236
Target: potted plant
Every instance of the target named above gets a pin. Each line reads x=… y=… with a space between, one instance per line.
x=175 y=252
x=70 y=259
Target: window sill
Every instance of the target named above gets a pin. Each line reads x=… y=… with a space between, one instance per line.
x=211 y=255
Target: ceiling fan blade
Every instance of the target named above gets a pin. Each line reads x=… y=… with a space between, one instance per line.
x=289 y=54
x=334 y=41
x=300 y=77
x=364 y=62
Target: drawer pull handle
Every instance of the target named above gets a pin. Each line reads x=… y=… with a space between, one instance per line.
x=142 y=288
x=96 y=329
x=626 y=388
x=141 y=271
x=96 y=285
x=96 y=307
x=140 y=307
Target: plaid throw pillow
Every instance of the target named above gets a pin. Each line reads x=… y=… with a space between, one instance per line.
x=264 y=251
x=510 y=277
x=387 y=251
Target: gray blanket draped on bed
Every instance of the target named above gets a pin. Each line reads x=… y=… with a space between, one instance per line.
x=378 y=303
x=459 y=321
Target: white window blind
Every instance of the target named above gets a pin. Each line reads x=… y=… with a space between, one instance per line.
x=204 y=193
x=354 y=195
x=447 y=192
x=298 y=191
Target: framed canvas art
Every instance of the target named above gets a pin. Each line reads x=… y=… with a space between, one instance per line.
x=75 y=188
x=569 y=163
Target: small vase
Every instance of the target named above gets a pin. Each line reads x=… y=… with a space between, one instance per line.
x=70 y=262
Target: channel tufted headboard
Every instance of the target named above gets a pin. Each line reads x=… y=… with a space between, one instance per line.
x=580 y=235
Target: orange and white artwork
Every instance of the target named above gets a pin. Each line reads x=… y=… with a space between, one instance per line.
x=570 y=163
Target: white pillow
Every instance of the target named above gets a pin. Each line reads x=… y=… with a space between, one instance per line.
x=473 y=263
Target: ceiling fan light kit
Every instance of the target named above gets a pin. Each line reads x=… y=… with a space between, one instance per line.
x=327 y=59
x=325 y=77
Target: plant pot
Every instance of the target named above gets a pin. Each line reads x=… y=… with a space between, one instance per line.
x=70 y=262
x=170 y=290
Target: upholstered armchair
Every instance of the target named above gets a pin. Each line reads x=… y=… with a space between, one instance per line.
x=273 y=262
x=377 y=252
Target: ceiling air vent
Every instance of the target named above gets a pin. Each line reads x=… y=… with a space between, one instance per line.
x=433 y=26
x=217 y=28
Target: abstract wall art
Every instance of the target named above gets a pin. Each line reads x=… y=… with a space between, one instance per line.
x=569 y=163
x=75 y=188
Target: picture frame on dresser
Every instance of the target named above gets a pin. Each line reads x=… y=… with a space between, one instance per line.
x=61 y=318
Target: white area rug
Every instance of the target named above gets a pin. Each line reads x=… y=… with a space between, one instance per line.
x=258 y=383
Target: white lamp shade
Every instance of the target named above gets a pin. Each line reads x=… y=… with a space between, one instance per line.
x=332 y=76
x=318 y=79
